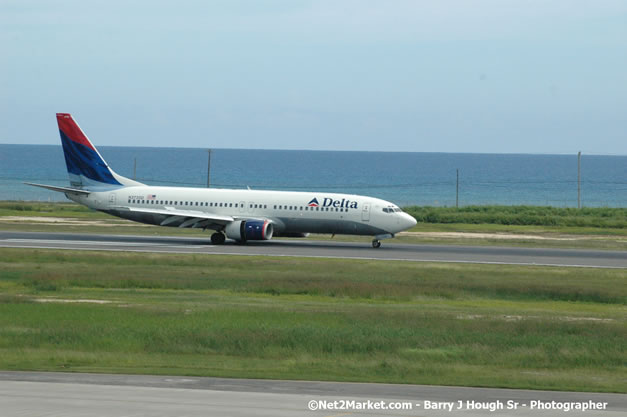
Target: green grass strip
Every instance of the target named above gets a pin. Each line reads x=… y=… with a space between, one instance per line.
x=319 y=319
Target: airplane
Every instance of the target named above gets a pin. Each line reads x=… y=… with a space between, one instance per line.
x=240 y=215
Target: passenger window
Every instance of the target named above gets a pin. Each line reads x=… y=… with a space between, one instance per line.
x=230 y=204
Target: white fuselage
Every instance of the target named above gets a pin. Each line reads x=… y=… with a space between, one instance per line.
x=290 y=212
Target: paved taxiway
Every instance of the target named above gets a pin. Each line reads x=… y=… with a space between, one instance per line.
x=330 y=249
x=96 y=395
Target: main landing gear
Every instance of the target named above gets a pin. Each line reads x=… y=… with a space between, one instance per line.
x=218 y=238
x=376 y=243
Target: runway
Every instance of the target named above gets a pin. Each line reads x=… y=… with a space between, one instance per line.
x=99 y=395
x=321 y=249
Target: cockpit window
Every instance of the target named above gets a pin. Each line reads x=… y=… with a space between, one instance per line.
x=392 y=210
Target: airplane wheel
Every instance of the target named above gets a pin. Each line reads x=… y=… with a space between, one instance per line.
x=218 y=238
x=376 y=243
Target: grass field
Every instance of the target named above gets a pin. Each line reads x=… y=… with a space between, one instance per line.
x=320 y=319
x=591 y=217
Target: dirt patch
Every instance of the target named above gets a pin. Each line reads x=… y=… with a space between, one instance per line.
x=518 y=318
x=62 y=300
x=501 y=236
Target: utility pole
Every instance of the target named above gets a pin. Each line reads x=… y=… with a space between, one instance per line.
x=135 y=169
x=579 y=180
x=457 y=191
x=209 y=168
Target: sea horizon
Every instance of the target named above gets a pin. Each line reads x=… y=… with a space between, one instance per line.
x=331 y=150
x=406 y=178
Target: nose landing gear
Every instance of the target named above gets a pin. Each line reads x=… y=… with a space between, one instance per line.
x=376 y=242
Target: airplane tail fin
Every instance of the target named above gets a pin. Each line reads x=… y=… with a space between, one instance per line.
x=85 y=167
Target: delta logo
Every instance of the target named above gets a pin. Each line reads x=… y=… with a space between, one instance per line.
x=329 y=202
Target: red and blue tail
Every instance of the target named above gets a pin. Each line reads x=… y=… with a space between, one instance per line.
x=85 y=166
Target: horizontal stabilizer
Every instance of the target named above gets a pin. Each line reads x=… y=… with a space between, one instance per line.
x=59 y=189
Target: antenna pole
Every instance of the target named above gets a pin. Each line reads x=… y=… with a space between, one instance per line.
x=209 y=168
x=457 y=191
x=579 y=180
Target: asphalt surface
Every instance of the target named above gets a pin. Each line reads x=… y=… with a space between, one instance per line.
x=96 y=395
x=322 y=249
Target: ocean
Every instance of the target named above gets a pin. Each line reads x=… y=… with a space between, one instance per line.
x=406 y=178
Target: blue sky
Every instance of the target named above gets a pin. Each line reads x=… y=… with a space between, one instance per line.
x=495 y=76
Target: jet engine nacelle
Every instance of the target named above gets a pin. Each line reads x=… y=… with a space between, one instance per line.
x=243 y=230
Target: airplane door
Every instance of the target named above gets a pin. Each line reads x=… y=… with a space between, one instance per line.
x=112 y=199
x=242 y=206
x=365 y=212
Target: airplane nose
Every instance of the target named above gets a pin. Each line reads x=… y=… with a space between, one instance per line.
x=409 y=221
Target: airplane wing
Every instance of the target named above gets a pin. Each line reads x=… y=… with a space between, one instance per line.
x=188 y=218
